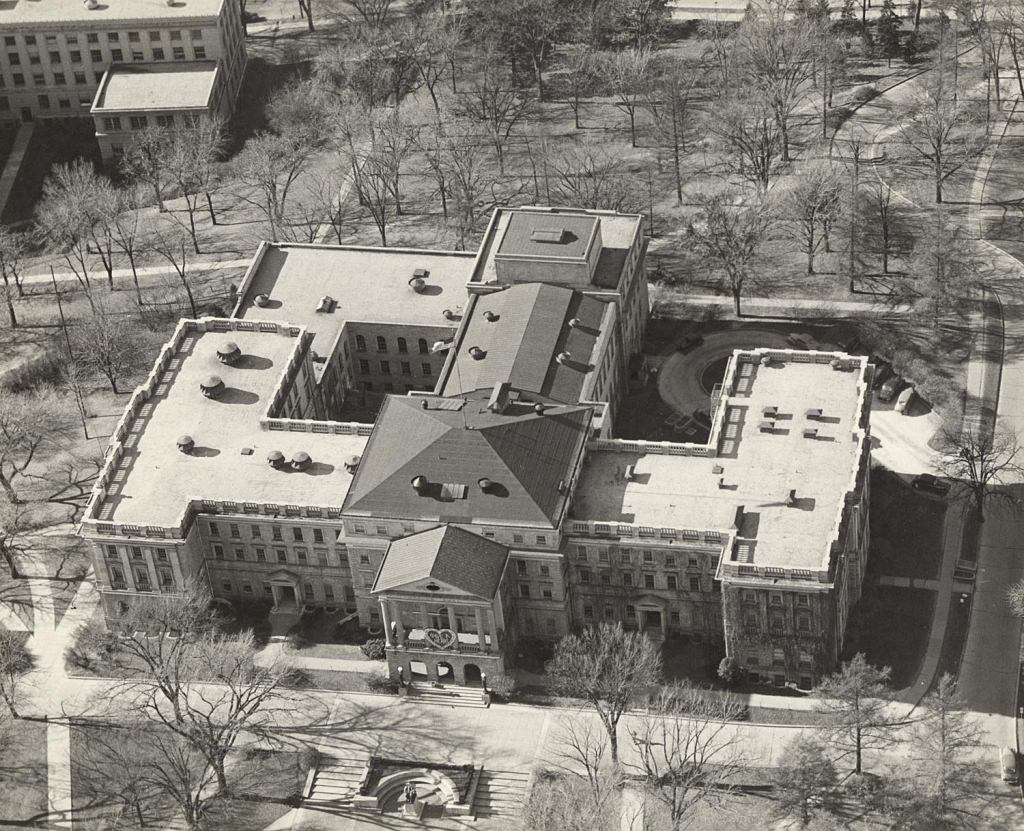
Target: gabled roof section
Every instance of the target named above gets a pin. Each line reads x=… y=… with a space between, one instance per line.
x=471 y=464
x=450 y=556
x=515 y=336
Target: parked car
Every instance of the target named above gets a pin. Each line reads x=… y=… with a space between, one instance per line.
x=890 y=388
x=689 y=342
x=903 y=402
x=930 y=483
x=1008 y=765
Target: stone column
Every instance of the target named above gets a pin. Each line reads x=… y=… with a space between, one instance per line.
x=273 y=590
x=492 y=628
x=453 y=622
x=481 y=634
x=424 y=616
x=399 y=628
x=386 y=618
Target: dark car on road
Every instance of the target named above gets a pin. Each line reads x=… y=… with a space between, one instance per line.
x=883 y=372
x=689 y=342
x=930 y=483
x=891 y=388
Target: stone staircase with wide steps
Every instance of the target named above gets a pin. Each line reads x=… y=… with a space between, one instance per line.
x=501 y=793
x=448 y=694
x=336 y=780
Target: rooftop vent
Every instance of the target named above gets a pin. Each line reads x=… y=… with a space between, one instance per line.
x=91 y=4
x=575 y=323
x=449 y=314
x=550 y=235
x=485 y=484
x=352 y=463
x=424 y=404
x=563 y=486
x=420 y=274
x=186 y=444
x=490 y=316
x=262 y=300
x=301 y=461
x=326 y=304
x=538 y=408
x=499 y=397
x=419 y=484
x=476 y=353
x=228 y=352
x=212 y=386
x=418 y=284
x=630 y=473
x=275 y=458
x=564 y=357
x=791 y=499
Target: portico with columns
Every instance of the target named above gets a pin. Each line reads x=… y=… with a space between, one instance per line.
x=442 y=606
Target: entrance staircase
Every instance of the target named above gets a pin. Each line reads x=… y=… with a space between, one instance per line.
x=501 y=793
x=336 y=780
x=448 y=694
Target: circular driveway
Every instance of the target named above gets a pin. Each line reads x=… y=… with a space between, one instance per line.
x=679 y=379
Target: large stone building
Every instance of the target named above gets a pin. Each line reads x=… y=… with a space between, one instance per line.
x=489 y=500
x=68 y=59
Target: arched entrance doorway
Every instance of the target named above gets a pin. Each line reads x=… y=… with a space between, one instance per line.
x=418 y=671
x=473 y=678
x=445 y=673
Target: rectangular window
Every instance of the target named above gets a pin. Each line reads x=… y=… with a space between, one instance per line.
x=297 y=534
x=803 y=600
x=153 y=36
x=133 y=37
x=606 y=578
x=247 y=588
x=142 y=579
x=226 y=586
x=116 y=55
x=96 y=55
x=268 y=589
x=524 y=590
x=195 y=34
x=403 y=346
x=695 y=584
x=588 y=612
x=648 y=581
x=214 y=529
x=255 y=532
x=671 y=581
x=111 y=551
x=648 y=556
x=218 y=552
x=80 y=78
x=545 y=571
x=321 y=558
x=30 y=40
x=627 y=579
x=233 y=530
x=112 y=37
x=282 y=556
x=584 y=576
x=275 y=532
x=34 y=60
x=385 y=367
x=382 y=529
x=76 y=56
x=542 y=540
x=239 y=553
x=178 y=53
x=165 y=121
x=175 y=34
x=521 y=567
x=158 y=53
x=406 y=368
x=382 y=343
x=307 y=591
x=318 y=535
x=631 y=612
x=581 y=554
x=518 y=539
x=670 y=559
x=803 y=623
x=261 y=555
x=138 y=122
x=602 y=555
x=136 y=552
x=200 y=53
x=775 y=598
x=138 y=55
x=161 y=555
x=166 y=579
x=14 y=59
x=19 y=79
x=673 y=618
x=364 y=366
x=9 y=40
x=427 y=369
x=55 y=57
x=360 y=343
x=328 y=592
x=301 y=554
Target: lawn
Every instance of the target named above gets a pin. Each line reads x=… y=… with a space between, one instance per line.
x=906 y=529
x=890 y=626
x=23 y=775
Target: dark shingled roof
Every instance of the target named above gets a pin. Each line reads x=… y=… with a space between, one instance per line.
x=529 y=327
x=449 y=555
x=524 y=455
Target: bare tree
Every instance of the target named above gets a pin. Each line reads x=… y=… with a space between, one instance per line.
x=492 y=101
x=580 y=77
x=669 y=103
x=938 y=126
x=144 y=161
x=125 y=231
x=376 y=191
x=591 y=174
x=393 y=140
x=804 y=779
x=983 y=460
x=854 y=702
x=878 y=212
x=688 y=749
x=561 y=802
x=372 y=13
x=628 y=75
x=172 y=246
x=945 y=776
x=107 y=343
x=776 y=56
x=192 y=153
x=729 y=234
x=813 y=204
x=606 y=665
x=270 y=164
x=13 y=249
x=750 y=131
x=467 y=183
x=175 y=646
x=15 y=661
x=581 y=747
x=29 y=422
x=106 y=206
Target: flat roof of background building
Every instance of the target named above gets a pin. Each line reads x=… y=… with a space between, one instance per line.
x=539 y=234
x=25 y=12
x=157 y=480
x=518 y=333
x=156 y=86
x=753 y=470
x=618 y=232
x=370 y=285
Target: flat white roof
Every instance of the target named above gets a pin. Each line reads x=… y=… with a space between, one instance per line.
x=107 y=12
x=155 y=481
x=754 y=470
x=161 y=86
x=369 y=285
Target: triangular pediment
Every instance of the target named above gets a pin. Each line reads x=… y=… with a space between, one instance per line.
x=422 y=587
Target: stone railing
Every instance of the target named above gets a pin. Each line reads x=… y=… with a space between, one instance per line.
x=658 y=448
x=618 y=530
x=336 y=428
